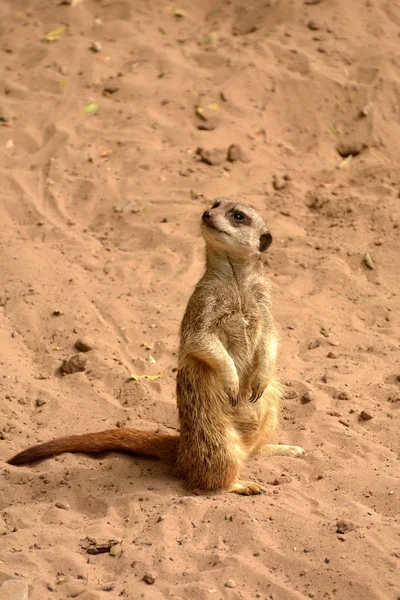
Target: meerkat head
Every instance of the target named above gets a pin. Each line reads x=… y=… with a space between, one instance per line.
x=235 y=228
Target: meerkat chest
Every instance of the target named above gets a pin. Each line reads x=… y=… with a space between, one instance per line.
x=238 y=319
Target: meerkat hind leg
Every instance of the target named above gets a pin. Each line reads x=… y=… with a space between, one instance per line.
x=246 y=488
x=282 y=450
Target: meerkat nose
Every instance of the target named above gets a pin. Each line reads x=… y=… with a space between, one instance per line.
x=206 y=216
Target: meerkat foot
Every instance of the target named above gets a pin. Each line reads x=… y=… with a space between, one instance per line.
x=283 y=450
x=246 y=488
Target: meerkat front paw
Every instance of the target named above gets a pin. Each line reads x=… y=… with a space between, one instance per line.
x=232 y=391
x=257 y=390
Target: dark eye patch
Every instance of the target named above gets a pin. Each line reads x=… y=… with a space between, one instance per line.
x=239 y=217
x=216 y=204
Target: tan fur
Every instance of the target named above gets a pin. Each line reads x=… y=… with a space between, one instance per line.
x=227 y=391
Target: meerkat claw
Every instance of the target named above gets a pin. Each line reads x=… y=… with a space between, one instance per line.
x=234 y=400
x=255 y=396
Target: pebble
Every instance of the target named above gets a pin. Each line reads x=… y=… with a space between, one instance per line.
x=344 y=526
x=83 y=345
x=95 y=47
x=214 y=157
x=278 y=183
x=306 y=398
x=74 y=364
x=39 y=402
x=313 y=344
x=149 y=578
x=63 y=505
x=365 y=110
x=350 y=148
x=236 y=153
x=365 y=416
x=344 y=396
x=230 y=584
x=14 y=589
x=116 y=550
x=282 y=479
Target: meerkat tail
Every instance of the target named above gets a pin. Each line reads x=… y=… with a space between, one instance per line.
x=142 y=443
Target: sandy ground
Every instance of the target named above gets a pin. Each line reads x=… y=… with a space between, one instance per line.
x=100 y=241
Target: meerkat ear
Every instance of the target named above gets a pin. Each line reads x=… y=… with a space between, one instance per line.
x=265 y=241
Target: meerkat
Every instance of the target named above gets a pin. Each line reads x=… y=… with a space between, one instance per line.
x=228 y=394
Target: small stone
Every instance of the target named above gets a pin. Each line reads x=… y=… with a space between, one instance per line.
x=83 y=345
x=278 y=183
x=14 y=589
x=325 y=378
x=149 y=578
x=110 y=90
x=230 y=584
x=364 y=111
x=313 y=344
x=350 y=148
x=106 y=587
x=308 y=549
x=63 y=505
x=344 y=526
x=327 y=561
x=116 y=550
x=214 y=157
x=344 y=396
x=365 y=416
x=207 y=126
x=306 y=398
x=331 y=355
x=282 y=479
x=368 y=261
x=75 y=364
x=313 y=26
x=95 y=47
x=39 y=402
x=236 y=153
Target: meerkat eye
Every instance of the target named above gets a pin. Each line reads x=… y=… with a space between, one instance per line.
x=216 y=204
x=239 y=216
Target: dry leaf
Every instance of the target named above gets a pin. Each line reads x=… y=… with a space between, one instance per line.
x=54 y=35
x=148 y=377
x=90 y=108
x=105 y=153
